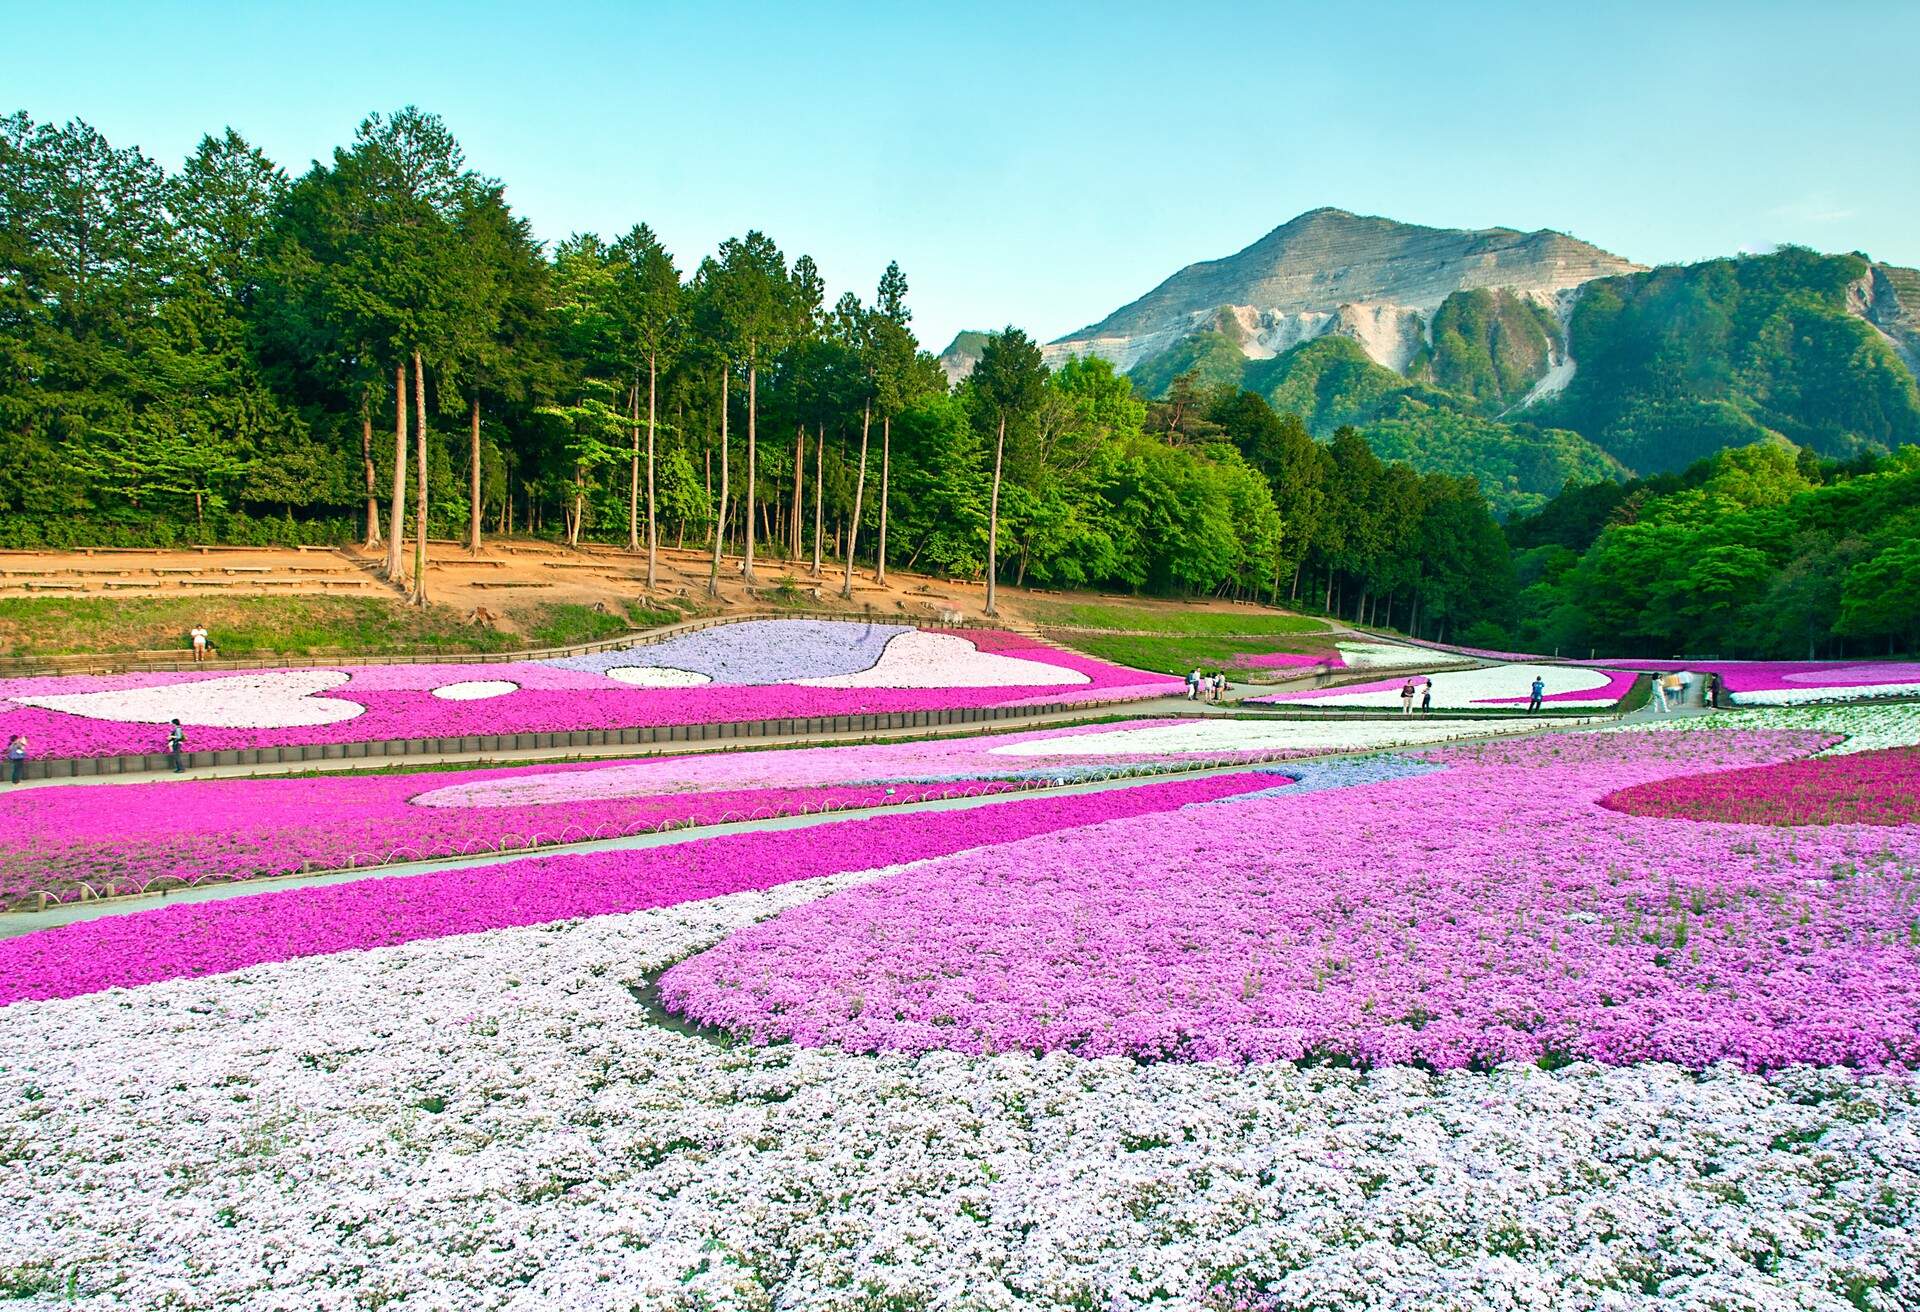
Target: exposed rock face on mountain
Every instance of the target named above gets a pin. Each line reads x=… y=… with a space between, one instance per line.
x=1889 y=299
x=1371 y=279
x=1529 y=359
x=962 y=354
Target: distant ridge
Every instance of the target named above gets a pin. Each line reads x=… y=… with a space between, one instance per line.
x=1374 y=279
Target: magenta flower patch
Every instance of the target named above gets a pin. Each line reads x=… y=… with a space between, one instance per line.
x=809 y=669
x=1864 y=788
x=207 y=938
x=1485 y=913
x=58 y=840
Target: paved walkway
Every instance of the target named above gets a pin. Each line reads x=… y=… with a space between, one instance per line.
x=1158 y=708
x=13 y=924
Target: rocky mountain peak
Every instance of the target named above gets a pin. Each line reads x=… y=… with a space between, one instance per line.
x=1331 y=270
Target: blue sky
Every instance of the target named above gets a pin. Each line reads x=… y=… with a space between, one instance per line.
x=1042 y=164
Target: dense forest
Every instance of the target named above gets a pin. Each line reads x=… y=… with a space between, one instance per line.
x=1761 y=550
x=378 y=350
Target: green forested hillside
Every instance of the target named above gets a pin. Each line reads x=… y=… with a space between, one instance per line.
x=1676 y=363
x=1672 y=365
x=1328 y=381
x=1331 y=381
x=1209 y=359
x=1490 y=346
x=1761 y=550
x=1519 y=466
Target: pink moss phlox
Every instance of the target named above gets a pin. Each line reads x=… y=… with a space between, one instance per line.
x=186 y=831
x=1861 y=788
x=189 y=939
x=399 y=703
x=1486 y=913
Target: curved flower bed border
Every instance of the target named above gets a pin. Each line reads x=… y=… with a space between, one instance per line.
x=229 y=843
x=549 y=698
x=1864 y=788
x=62 y=843
x=193 y=939
x=1863 y=728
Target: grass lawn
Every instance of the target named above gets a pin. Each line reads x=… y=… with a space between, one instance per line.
x=1178 y=653
x=1170 y=620
x=293 y=626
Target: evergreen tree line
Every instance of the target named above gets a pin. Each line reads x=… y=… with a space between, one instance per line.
x=379 y=350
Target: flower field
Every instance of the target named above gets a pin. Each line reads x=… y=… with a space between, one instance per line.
x=1488 y=912
x=762 y=669
x=208 y=938
x=1379 y=1018
x=171 y=833
x=490 y=1121
x=1491 y=686
x=1861 y=788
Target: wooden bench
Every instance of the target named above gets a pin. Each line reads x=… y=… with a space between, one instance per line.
x=128 y=583
x=51 y=585
x=505 y=583
x=246 y=569
x=176 y=569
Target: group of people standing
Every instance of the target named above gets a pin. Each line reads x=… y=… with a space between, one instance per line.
x=1205 y=687
x=1425 y=692
x=18 y=750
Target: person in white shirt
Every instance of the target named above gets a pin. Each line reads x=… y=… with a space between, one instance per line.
x=199 y=636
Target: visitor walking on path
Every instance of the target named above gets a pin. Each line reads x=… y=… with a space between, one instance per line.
x=1193 y=684
x=176 y=742
x=1664 y=687
x=1426 y=699
x=199 y=636
x=1539 y=693
x=1406 y=698
x=17 y=756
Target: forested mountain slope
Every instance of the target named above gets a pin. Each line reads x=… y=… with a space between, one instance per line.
x=1647 y=372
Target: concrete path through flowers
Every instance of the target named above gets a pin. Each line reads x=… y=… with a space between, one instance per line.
x=13 y=924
